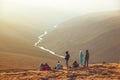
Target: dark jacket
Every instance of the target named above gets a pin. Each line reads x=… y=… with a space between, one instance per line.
x=87 y=55
x=75 y=64
x=67 y=56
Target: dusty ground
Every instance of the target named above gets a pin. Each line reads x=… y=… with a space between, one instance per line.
x=94 y=72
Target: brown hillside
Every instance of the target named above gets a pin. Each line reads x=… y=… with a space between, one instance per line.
x=16 y=47
x=94 y=72
x=97 y=32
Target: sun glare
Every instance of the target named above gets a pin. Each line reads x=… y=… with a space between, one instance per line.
x=85 y=5
x=63 y=9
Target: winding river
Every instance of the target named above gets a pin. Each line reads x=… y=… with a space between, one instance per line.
x=40 y=39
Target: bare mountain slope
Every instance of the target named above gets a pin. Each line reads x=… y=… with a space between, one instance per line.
x=16 y=47
x=97 y=32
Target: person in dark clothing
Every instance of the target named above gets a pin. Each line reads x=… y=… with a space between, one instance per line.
x=75 y=64
x=67 y=58
x=86 y=58
x=42 y=67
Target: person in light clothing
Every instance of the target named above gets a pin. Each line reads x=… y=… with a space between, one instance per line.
x=59 y=65
x=81 y=57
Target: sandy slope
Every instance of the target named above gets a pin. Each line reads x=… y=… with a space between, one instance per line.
x=94 y=72
x=16 y=47
x=98 y=32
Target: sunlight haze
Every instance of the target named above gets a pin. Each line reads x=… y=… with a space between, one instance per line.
x=51 y=12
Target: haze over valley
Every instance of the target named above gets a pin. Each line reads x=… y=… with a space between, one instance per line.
x=70 y=25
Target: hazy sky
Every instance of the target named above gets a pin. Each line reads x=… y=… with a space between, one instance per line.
x=50 y=12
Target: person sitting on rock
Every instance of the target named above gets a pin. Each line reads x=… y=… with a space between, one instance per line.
x=41 y=66
x=47 y=67
x=59 y=65
x=75 y=64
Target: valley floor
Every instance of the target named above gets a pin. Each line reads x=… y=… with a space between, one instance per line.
x=94 y=72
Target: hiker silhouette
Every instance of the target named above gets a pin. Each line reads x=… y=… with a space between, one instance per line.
x=67 y=58
x=86 y=59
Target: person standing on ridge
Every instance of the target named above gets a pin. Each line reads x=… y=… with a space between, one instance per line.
x=67 y=58
x=86 y=58
x=81 y=57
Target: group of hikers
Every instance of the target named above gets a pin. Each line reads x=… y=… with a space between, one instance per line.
x=67 y=57
x=47 y=67
x=81 y=58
